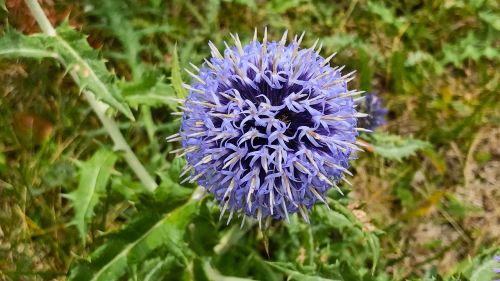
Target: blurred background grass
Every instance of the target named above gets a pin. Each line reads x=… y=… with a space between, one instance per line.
x=434 y=63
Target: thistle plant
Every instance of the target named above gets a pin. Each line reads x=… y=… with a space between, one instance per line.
x=268 y=127
x=497 y=268
x=372 y=105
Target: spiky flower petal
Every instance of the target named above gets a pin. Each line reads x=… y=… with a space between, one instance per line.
x=268 y=128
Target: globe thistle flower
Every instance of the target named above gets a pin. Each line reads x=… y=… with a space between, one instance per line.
x=268 y=128
x=497 y=269
x=372 y=105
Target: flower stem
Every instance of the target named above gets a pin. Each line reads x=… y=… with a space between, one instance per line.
x=120 y=142
x=40 y=17
x=99 y=108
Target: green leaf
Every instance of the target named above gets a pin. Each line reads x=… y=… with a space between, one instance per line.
x=169 y=232
x=470 y=47
x=158 y=269
x=337 y=219
x=214 y=275
x=94 y=175
x=343 y=219
x=203 y=236
x=491 y=19
x=374 y=244
x=176 y=75
x=479 y=267
x=386 y=14
x=127 y=188
x=281 y=6
x=150 y=90
x=92 y=73
x=71 y=49
x=396 y=148
x=485 y=271
x=154 y=98
x=136 y=241
x=293 y=274
x=168 y=195
x=14 y=44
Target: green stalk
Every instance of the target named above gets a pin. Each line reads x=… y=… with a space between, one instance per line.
x=120 y=142
x=99 y=107
x=41 y=18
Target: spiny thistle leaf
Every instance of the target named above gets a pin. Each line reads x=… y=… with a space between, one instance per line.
x=345 y=221
x=386 y=15
x=396 y=148
x=94 y=176
x=138 y=239
x=481 y=267
x=158 y=269
x=114 y=17
x=485 y=271
x=71 y=49
x=150 y=90
x=176 y=76
x=14 y=44
x=470 y=47
x=92 y=72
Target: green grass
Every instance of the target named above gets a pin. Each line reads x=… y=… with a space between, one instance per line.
x=424 y=205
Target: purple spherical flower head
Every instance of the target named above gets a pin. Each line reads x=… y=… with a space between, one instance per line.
x=372 y=105
x=497 y=269
x=268 y=128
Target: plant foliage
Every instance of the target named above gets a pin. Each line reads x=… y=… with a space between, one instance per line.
x=415 y=218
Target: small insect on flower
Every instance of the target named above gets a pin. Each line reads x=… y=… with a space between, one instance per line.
x=268 y=127
x=372 y=105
